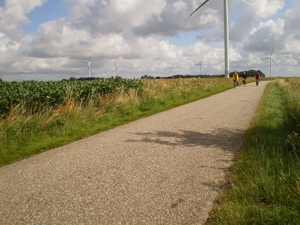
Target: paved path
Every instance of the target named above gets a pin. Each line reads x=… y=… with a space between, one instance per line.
x=163 y=169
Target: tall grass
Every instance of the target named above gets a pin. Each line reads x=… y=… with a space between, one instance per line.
x=25 y=132
x=264 y=186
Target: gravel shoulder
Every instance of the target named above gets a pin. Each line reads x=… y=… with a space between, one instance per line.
x=164 y=169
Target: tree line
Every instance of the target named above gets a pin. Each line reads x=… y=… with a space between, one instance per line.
x=249 y=73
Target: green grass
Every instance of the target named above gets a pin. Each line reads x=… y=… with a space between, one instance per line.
x=24 y=134
x=264 y=185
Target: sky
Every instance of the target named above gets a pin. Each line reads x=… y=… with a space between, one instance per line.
x=53 y=39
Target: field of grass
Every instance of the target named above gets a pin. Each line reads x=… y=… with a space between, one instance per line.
x=264 y=185
x=32 y=126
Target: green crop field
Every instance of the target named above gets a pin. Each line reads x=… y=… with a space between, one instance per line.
x=37 y=95
x=37 y=116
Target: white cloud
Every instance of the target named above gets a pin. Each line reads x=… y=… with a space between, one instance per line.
x=136 y=34
x=14 y=13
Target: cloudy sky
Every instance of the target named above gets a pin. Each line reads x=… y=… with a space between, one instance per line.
x=49 y=39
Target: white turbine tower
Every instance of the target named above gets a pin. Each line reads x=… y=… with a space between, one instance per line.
x=200 y=65
x=226 y=33
x=116 y=69
x=271 y=59
x=89 y=64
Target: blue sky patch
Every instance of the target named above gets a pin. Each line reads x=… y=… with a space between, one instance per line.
x=51 y=10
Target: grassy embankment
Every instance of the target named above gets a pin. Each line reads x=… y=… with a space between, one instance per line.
x=264 y=186
x=23 y=134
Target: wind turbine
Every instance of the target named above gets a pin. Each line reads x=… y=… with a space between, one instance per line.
x=226 y=33
x=173 y=71
x=271 y=59
x=74 y=72
x=200 y=65
x=116 y=69
x=89 y=64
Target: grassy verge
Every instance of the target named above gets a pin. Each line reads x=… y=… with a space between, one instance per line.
x=24 y=134
x=264 y=186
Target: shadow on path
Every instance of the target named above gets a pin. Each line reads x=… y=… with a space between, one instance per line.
x=224 y=139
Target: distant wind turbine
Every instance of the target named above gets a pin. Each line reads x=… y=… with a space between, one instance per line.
x=271 y=59
x=200 y=65
x=74 y=71
x=172 y=71
x=116 y=69
x=89 y=64
x=226 y=33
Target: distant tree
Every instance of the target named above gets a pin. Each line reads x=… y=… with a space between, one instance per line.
x=249 y=73
x=118 y=78
x=147 y=77
x=261 y=73
x=88 y=78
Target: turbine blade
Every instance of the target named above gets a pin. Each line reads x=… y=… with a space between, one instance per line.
x=272 y=51
x=90 y=57
x=265 y=58
x=247 y=2
x=200 y=6
x=274 y=62
x=201 y=60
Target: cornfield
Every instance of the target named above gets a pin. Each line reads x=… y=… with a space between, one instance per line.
x=37 y=95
